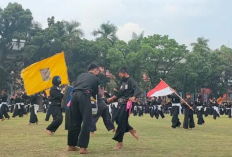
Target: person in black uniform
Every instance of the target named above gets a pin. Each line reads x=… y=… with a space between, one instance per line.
x=4 y=106
x=17 y=106
x=33 y=109
x=80 y=119
x=128 y=91
x=188 y=113
x=176 y=104
x=103 y=111
x=200 y=108
x=159 y=108
x=56 y=97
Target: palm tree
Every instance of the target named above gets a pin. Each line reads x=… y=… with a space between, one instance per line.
x=72 y=29
x=107 y=31
x=201 y=45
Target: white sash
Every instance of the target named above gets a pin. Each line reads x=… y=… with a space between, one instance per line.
x=135 y=108
x=36 y=108
x=159 y=107
x=18 y=105
x=199 y=108
x=216 y=109
x=154 y=107
x=178 y=105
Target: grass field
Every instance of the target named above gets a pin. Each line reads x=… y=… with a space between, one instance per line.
x=18 y=139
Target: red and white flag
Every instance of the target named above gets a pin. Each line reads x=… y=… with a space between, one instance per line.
x=162 y=89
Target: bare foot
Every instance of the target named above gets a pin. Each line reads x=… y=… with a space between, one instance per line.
x=134 y=133
x=49 y=132
x=114 y=130
x=3 y=119
x=84 y=151
x=37 y=122
x=118 y=146
x=73 y=148
x=92 y=134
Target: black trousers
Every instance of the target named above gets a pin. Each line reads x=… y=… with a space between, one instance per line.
x=1 y=116
x=152 y=112
x=200 y=118
x=57 y=118
x=66 y=118
x=207 y=111
x=12 y=108
x=188 y=121
x=123 y=124
x=115 y=112
x=175 y=118
x=33 y=116
x=80 y=120
x=16 y=111
x=48 y=114
x=158 y=112
x=106 y=119
x=135 y=111
x=229 y=113
x=140 y=110
x=4 y=110
x=215 y=114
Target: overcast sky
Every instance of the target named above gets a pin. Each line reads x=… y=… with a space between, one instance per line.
x=183 y=20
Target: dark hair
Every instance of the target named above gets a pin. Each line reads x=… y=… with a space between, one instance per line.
x=174 y=88
x=188 y=93
x=123 y=70
x=92 y=66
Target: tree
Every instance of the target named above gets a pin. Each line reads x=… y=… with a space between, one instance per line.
x=107 y=31
x=160 y=55
x=72 y=29
x=15 y=22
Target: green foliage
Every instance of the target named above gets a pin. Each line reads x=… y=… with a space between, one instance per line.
x=156 y=56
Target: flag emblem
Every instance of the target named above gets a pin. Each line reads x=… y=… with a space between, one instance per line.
x=45 y=73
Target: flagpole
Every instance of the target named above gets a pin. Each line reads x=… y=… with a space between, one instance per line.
x=178 y=95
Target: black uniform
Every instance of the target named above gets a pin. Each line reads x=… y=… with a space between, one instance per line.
x=215 y=109
x=4 y=106
x=80 y=119
x=188 y=115
x=56 y=111
x=128 y=89
x=17 y=107
x=200 y=111
x=159 y=109
x=33 y=109
x=103 y=111
x=175 y=110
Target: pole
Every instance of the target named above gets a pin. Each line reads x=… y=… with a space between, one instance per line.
x=178 y=95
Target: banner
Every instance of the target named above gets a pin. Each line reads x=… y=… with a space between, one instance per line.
x=38 y=76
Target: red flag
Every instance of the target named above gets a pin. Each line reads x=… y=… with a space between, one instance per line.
x=162 y=89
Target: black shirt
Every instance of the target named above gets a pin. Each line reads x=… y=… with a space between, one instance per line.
x=87 y=82
x=34 y=99
x=128 y=89
x=174 y=98
x=55 y=96
x=3 y=98
x=188 y=111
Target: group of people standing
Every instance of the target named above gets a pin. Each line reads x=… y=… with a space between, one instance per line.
x=87 y=93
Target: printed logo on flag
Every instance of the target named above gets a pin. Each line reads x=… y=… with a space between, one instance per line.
x=45 y=73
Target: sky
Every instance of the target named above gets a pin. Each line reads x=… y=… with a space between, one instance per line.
x=182 y=20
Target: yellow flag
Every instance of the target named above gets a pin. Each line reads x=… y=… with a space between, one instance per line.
x=38 y=76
